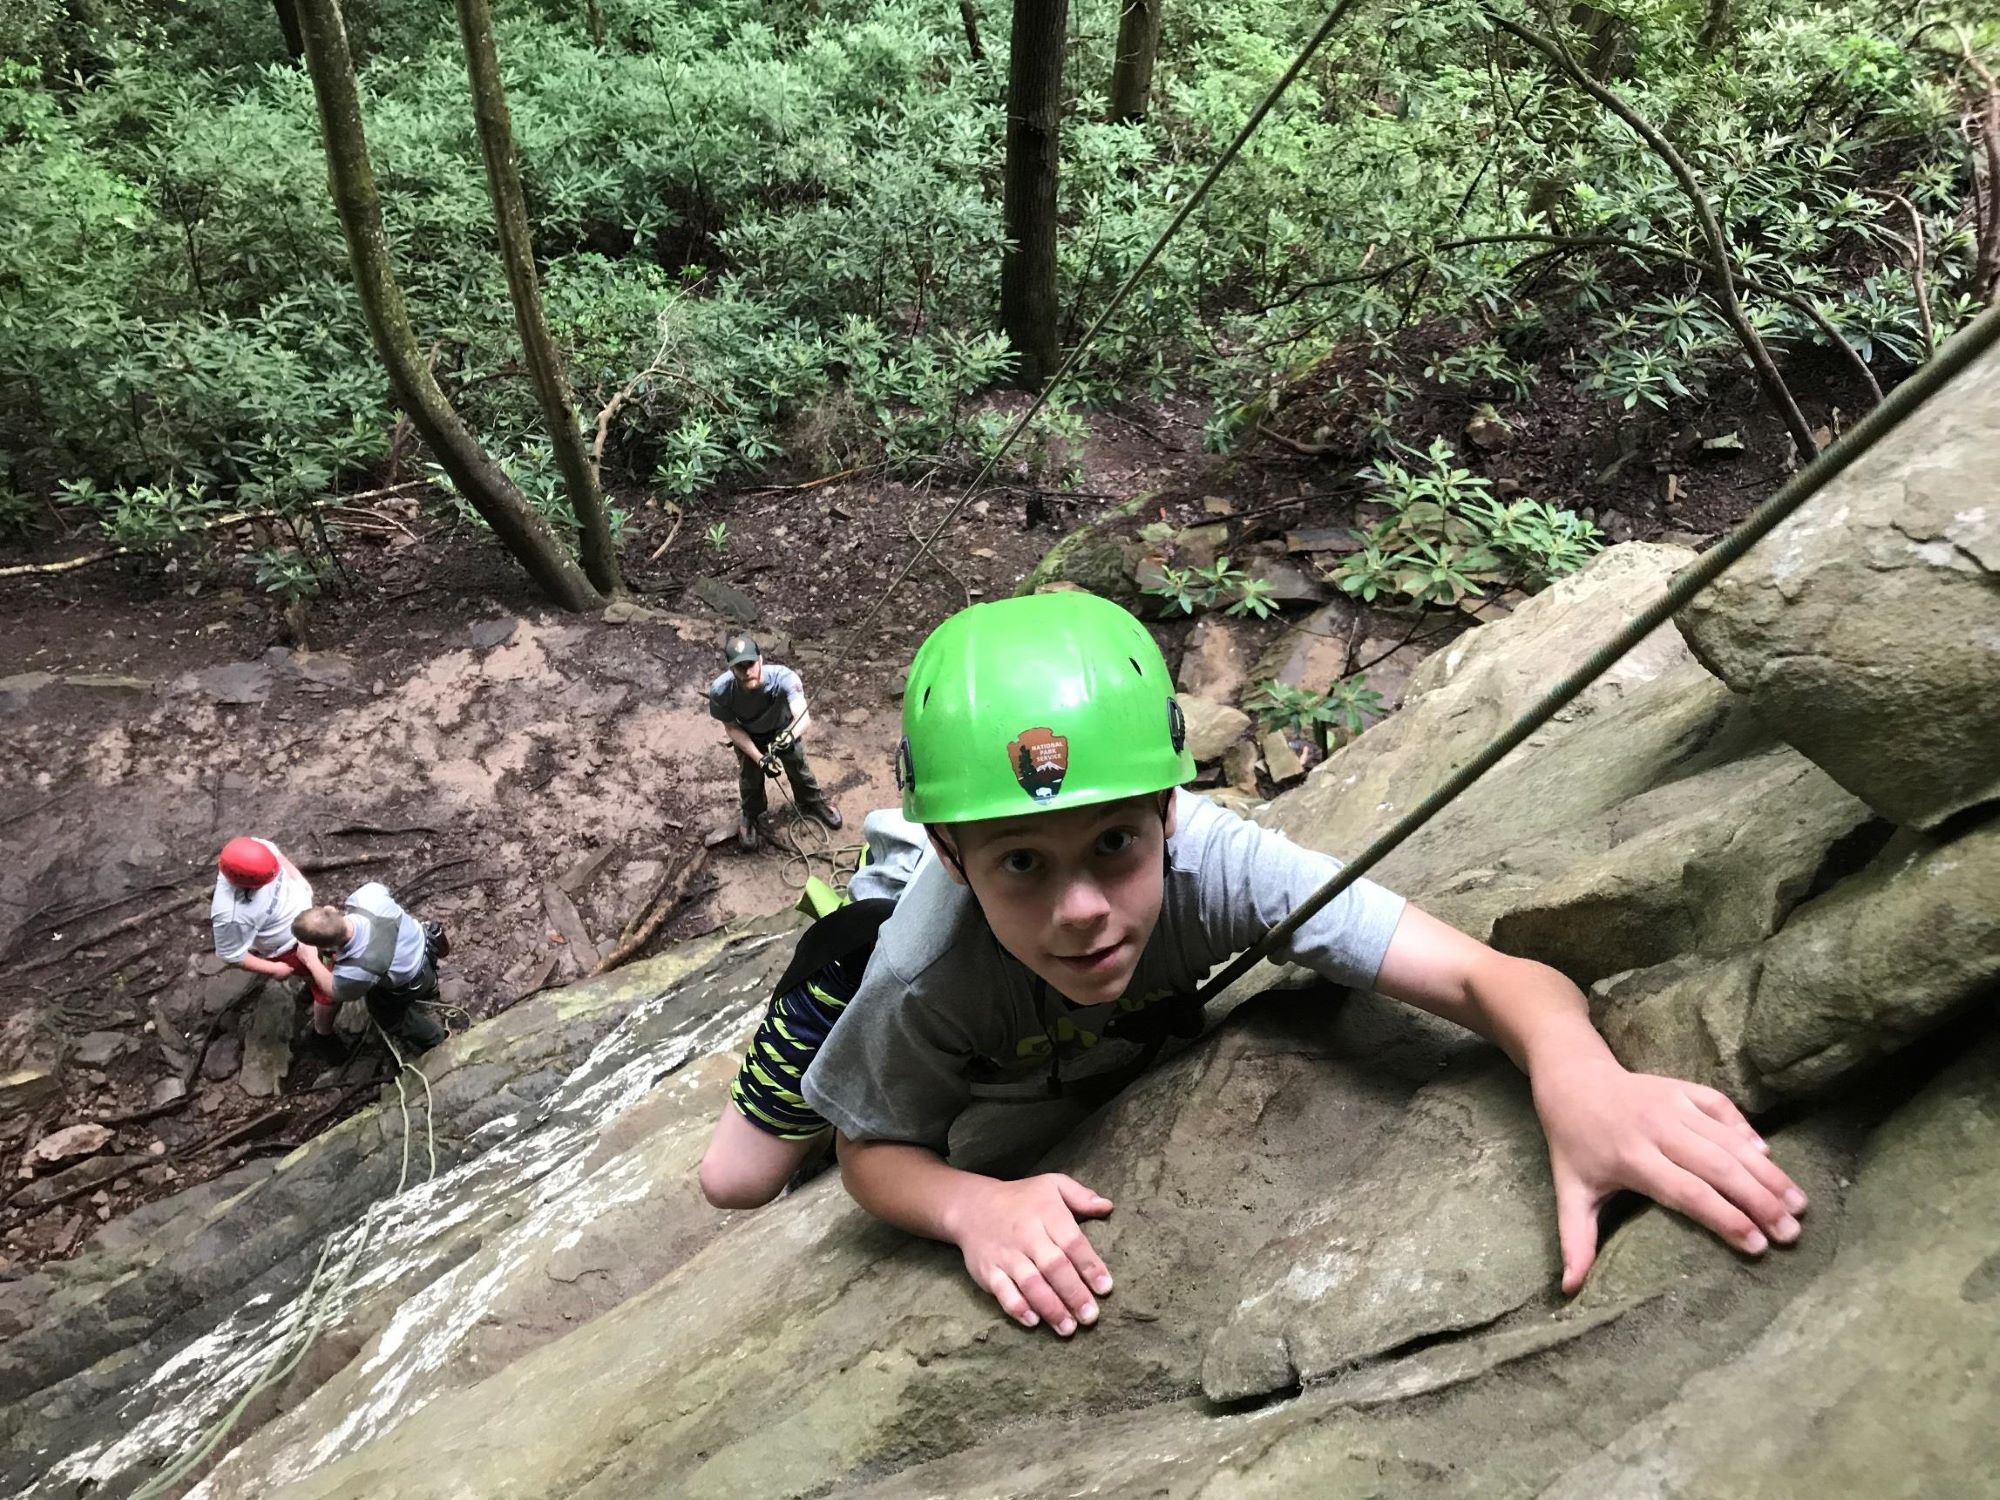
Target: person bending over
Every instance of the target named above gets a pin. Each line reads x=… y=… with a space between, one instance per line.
x=257 y=894
x=383 y=955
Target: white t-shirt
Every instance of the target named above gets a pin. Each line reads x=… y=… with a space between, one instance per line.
x=258 y=921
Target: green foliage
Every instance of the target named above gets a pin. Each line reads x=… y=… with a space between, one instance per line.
x=291 y=573
x=774 y=229
x=1196 y=588
x=1346 y=708
x=1447 y=535
x=717 y=538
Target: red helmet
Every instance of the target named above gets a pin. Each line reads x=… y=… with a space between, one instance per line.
x=247 y=864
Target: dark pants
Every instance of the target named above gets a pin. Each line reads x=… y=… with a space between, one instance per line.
x=394 y=1007
x=750 y=779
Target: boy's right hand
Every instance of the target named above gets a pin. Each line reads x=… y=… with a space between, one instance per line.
x=1022 y=1243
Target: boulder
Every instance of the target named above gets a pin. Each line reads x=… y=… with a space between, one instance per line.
x=1313 y=655
x=1877 y=1378
x=1214 y=663
x=97 y=1048
x=1211 y=727
x=1866 y=629
x=26 y=1090
x=1882 y=957
x=1093 y=558
x=267 y=1043
x=1280 y=759
x=1465 y=694
x=223 y=1058
x=67 y=1144
x=726 y=600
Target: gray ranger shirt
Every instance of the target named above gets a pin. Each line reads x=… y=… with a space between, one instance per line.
x=764 y=709
x=943 y=1008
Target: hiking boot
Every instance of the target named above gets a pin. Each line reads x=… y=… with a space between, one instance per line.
x=438 y=938
x=746 y=835
x=826 y=813
x=325 y=1047
x=420 y=1029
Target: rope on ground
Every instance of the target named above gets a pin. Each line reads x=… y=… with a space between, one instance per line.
x=1972 y=341
x=1054 y=383
x=314 y=1306
x=837 y=856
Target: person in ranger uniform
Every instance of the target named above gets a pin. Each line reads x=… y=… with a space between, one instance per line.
x=762 y=709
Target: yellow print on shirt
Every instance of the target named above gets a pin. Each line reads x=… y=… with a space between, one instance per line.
x=1071 y=1036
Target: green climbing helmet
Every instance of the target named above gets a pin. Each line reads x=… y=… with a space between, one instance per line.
x=1037 y=704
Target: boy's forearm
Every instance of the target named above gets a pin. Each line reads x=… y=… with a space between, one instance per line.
x=911 y=1187
x=1536 y=1016
x=259 y=965
x=1527 y=1009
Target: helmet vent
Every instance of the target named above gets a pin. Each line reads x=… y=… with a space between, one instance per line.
x=1135 y=665
x=927 y=699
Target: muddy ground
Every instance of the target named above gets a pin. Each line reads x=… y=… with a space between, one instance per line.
x=496 y=762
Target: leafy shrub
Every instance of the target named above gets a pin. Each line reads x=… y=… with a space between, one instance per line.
x=1447 y=535
x=1345 y=708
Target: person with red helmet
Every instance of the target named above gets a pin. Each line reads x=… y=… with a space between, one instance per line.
x=257 y=894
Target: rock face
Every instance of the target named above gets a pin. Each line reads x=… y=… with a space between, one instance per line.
x=1866 y=630
x=1334 y=1247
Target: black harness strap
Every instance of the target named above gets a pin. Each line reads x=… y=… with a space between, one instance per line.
x=839 y=934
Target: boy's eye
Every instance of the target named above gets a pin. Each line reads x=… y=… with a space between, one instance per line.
x=1019 y=862
x=1116 y=840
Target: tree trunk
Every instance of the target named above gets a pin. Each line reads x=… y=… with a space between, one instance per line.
x=517 y=253
x=288 y=23
x=520 y=530
x=971 y=19
x=1716 y=30
x=1028 y=311
x=593 y=14
x=1132 y=66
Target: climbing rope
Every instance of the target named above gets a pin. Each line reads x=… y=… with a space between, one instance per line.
x=1971 y=342
x=1264 y=107
x=315 y=1304
x=841 y=859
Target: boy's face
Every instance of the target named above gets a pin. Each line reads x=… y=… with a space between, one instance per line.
x=1075 y=894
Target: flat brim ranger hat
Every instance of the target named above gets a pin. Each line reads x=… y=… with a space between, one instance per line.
x=1037 y=704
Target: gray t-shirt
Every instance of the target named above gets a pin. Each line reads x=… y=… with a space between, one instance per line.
x=942 y=1008
x=764 y=709
x=369 y=906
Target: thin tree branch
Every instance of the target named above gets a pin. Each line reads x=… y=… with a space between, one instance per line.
x=1722 y=269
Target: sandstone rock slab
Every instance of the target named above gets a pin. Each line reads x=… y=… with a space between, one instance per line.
x=1866 y=629
x=1211 y=727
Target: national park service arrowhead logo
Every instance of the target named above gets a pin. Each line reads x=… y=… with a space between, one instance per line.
x=1040 y=760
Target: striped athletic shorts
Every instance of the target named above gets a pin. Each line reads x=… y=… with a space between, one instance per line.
x=767 y=1085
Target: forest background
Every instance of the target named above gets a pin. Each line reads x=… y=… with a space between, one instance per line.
x=774 y=231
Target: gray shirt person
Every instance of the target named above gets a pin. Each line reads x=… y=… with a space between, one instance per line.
x=943 y=1008
x=372 y=908
x=765 y=709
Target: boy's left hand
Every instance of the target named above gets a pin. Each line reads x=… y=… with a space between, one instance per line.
x=1682 y=1144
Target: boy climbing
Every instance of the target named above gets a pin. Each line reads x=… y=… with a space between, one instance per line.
x=257 y=894
x=762 y=709
x=1076 y=886
x=383 y=955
